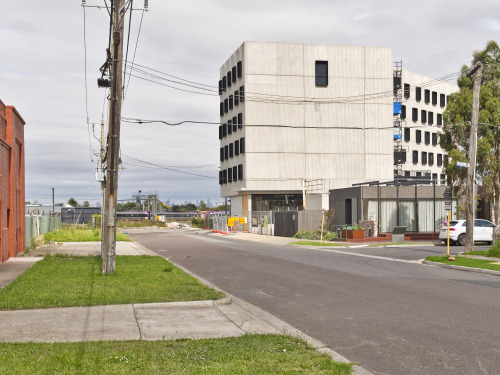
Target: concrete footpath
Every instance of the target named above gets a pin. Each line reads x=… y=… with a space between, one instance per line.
x=151 y=321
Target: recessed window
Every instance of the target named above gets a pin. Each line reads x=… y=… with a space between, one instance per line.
x=407 y=173
x=220 y=177
x=434 y=98
x=439 y=160
x=430 y=119
x=242 y=94
x=239 y=68
x=237 y=97
x=221 y=109
x=242 y=145
x=230 y=102
x=435 y=176
x=234 y=74
x=442 y=100
x=222 y=154
x=226 y=152
x=431 y=158
x=418 y=94
x=229 y=79
x=230 y=175
x=423 y=116
x=237 y=147
x=424 y=157
x=443 y=179
x=403 y=111
x=406 y=91
x=240 y=172
x=418 y=174
x=407 y=134
x=434 y=139
x=240 y=120
x=414 y=114
x=224 y=130
x=224 y=176
x=235 y=174
x=226 y=105
x=418 y=136
x=321 y=73
x=229 y=127
x=415 y=157
x=224 y=83
x=427 y=96
x=235 y=124
x=220 y=87
x=220 y=131
x=427 y=138
x=231 y=151
x=439 y=119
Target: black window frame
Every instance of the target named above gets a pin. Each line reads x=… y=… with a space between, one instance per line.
x=242 y=94
x=235 y=124
x=242 y=145
x=418 y=136
x=427 y=138
x=418 y=94
x=434 y=98
x=423 y=157
x=240 y=171
x=224 y=84
x=239 y=68
x=442 y=100
x=430 y=158
x=434 y=139
x=439 y=161
x=406 y=90
x=226 y=152
x=430 y=118
x=237 y=147
x=234 y=74
x=414 y=114
x=230 y=175
x=403 y=111
x=407 y=134
x=423 y=116
x=415 y=157
x=222 y=154
x=231 y=150
x=229 y=127
x=229 y=79
x=427 y=96
x=240 y=120
x=224 y=130
x=231 y=101
x=237 y=97
x=321 y=73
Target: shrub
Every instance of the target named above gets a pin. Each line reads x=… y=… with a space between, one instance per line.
x=315 y=235
x=197 y=223
x=494 y=251
x=329 y=236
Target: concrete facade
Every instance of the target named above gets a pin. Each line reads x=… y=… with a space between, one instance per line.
x=11 y=182
x=421 y=124
x=282 y=127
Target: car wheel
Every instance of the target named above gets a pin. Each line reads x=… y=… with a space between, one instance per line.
x=461 y=239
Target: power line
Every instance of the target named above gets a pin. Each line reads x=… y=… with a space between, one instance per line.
x=135 y=50
x=86 y=88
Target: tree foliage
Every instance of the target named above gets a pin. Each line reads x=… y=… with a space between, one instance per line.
x=456 y=132
x=72 y=202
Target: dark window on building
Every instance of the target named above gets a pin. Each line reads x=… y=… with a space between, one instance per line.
x=414 y=114
x=439 y=160
x=235 y=173
x=226 y=105
x=428 y=175
x=220 y=177
x=443 y=179
x=229 y=127
x=240 y=172
x=403 y=111
x=226 y=152
x=224 y=130
x=242 y=94
x=435 y=176
x=224 y=83
x=423 y=116
x=431 y=158
x=439 y=119
x=407 y=90
x=222 y=154
x=442 y=100
x=237 y=147
x=230 y=102
x=237 y=97
x=224 y=176
x=240 y=120
x=229 y=79
x=434 y=139
x=434 y=98
x=430 y=119
x=231 y=151
x=220 y=131
x=221 y=109
x=407 y=134
x=234 y=74
x=427 y=96
x=220 y=87
x=239 y=67
x=322 y=73
x=415 y=157
x=427 y=138
x=235 y=124
x=407 y=173
x=242 y=145
x=230 y=175
x=424 y=157
x=418 y=136
x=418 y=94
x=418 y=174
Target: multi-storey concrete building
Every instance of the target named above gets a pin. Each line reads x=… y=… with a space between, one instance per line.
x=301 y=118
x=11 y=182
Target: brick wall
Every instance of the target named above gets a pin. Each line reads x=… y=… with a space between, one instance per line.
x=11 y=182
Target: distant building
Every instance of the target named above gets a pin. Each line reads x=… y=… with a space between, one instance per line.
x=12 y=220
x=303 y=120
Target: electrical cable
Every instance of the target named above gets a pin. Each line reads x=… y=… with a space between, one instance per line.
x=135 y=50
x=126 y=51
x=86 y=87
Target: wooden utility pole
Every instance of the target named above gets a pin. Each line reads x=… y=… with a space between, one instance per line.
x=113 y=145
x=477 y=71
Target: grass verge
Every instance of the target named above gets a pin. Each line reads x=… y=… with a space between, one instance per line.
x=249 y=354
x=69 y=233
x=467 y=262
x=64 y=281
x=315 y=243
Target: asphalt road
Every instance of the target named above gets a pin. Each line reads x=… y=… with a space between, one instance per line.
x=376 y=306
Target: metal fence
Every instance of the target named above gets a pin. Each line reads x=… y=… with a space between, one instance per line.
x=37 y=225
x=217 y=222
x=261 y=222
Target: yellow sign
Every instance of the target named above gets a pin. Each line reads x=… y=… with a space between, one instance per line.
x=232 y=221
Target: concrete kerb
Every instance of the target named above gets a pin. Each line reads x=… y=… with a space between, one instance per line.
x=462 y=268
x=278 y=326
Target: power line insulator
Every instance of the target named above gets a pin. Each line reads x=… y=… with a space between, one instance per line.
x=103 y=82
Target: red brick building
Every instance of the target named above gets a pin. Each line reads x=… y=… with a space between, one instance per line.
x=11 y=182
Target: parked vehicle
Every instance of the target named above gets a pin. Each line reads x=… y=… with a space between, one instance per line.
x=484 y=231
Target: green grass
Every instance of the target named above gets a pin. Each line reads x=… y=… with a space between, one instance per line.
x=79 y=234
x=62 y=281
x=477 y=252
x=315 y=243
x=249 y=354
x=494 y=251
x=123 y=223
x=467 y=262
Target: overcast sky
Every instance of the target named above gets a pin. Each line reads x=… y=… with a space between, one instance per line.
x=42 y=74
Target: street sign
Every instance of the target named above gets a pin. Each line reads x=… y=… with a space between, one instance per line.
x=447 y=193
x=462 y=164
x=447 y=205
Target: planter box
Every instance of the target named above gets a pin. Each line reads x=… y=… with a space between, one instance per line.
x=354 y=234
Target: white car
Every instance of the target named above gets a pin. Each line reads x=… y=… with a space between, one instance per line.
x=484 y=231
